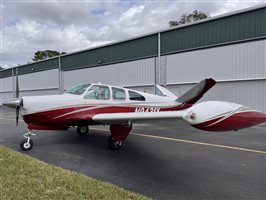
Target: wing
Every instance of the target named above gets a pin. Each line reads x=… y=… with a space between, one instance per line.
x=137 y=117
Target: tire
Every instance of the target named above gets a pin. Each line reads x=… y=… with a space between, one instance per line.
x=114 y=145
x=26 y=147
x=82 y=130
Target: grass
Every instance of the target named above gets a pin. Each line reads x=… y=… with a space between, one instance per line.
x=24 y=177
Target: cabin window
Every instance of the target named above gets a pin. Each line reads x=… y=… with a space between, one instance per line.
x=118 y=94
x=134 y=96
x=98 y=92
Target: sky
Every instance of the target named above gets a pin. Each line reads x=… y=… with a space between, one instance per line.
x=28 y=26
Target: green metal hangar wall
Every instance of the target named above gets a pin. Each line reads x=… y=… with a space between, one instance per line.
x=229 y=48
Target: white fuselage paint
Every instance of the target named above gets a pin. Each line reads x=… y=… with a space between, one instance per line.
x=34 y=104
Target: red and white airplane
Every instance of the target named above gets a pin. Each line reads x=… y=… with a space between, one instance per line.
x=100 y=104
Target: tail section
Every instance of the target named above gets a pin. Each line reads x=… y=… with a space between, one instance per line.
x=197 y=92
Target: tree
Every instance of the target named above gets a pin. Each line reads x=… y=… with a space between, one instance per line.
x=40 y=55
x=188 y=18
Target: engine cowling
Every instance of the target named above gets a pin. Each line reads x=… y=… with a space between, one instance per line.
x=222 y=116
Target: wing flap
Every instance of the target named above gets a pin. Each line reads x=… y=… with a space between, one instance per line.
x=137 y=117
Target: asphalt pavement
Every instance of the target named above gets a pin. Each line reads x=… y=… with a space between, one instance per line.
x=166 y=160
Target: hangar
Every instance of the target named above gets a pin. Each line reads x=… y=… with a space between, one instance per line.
x=229 y=48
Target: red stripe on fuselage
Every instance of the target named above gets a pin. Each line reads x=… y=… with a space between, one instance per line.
x=81 y=115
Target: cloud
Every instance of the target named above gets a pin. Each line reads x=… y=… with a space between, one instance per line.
x=75 y=25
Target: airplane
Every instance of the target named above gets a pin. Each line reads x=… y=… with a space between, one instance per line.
x=99 y=104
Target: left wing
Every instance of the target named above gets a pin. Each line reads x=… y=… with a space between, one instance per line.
x=137 y=117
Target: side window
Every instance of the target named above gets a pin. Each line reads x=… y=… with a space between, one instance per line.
x=118 y=94
x=134 y=96
x=98 y=92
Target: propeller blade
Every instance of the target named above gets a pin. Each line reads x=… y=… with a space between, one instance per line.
x=17 y=87
x=17 y=114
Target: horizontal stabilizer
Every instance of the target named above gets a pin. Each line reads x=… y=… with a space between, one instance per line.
x=197 y=92
x=166 y=92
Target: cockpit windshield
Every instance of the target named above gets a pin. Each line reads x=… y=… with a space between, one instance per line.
x=78 y=90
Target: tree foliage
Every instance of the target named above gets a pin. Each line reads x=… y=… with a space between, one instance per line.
x=40 y=55
x=188 y=18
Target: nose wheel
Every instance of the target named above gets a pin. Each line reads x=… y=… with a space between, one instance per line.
x=27 y=143
x=114 y=145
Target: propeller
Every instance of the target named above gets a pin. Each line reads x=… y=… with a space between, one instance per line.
x=17 y=103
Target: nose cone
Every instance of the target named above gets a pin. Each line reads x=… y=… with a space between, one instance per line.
x=14 y=103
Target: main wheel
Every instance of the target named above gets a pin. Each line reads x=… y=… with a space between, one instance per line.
x=25 y=146
x=83 y=130
x=114 y=145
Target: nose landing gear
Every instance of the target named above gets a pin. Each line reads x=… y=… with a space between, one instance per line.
x=27 y=143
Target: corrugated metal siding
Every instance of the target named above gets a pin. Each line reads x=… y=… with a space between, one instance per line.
x=6 y=84
x=133 y=49
x=38 y=92
x=140 y=72
x=232 y=28
x=6 y=96
x=39 y=80
x=249 y=93
x=239 y=61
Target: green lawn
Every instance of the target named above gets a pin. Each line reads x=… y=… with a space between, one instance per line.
x=24 y=177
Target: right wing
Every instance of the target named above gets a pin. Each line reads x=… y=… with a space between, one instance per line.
x=137 y=117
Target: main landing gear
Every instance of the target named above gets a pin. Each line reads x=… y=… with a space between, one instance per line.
x=114 y=145
x=119 y=133
x=27 y=143
x=82 y=130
